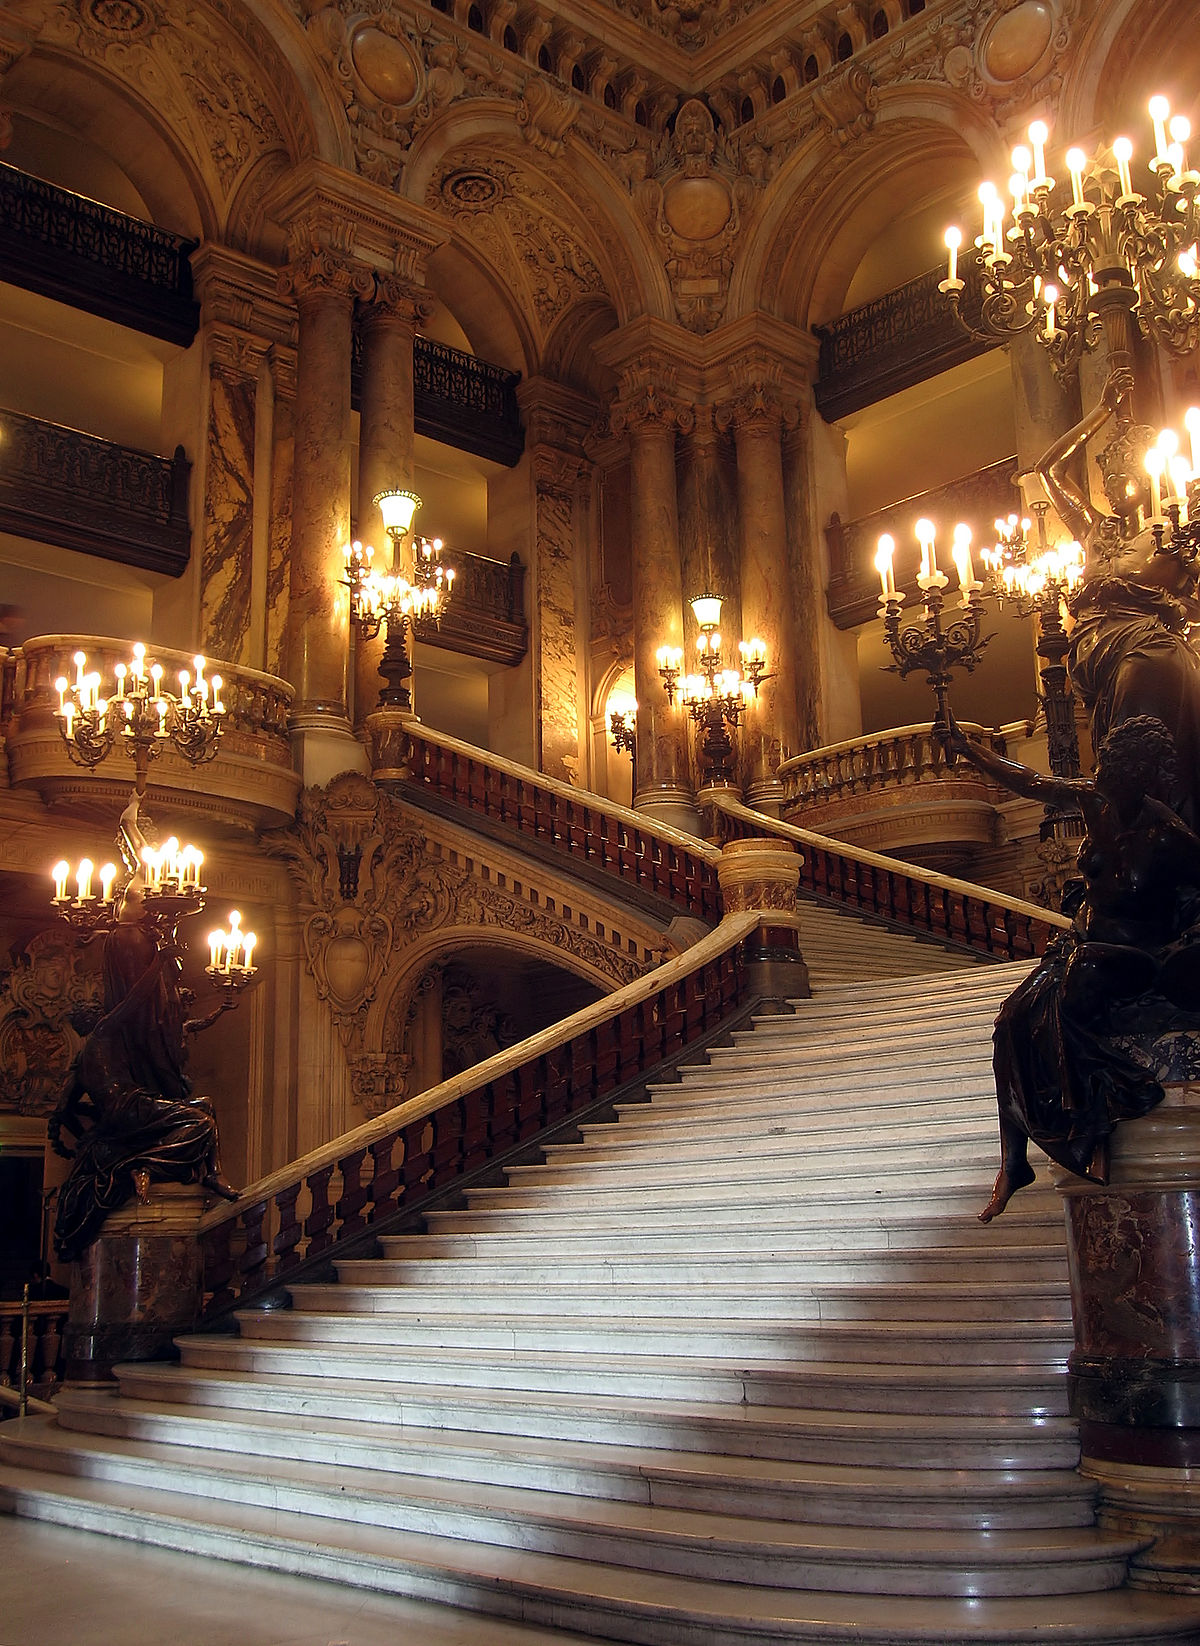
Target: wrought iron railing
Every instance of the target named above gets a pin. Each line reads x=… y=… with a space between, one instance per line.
x=892 y=342
x=92 y=257
x=597 y=834
x=919 y=900
x=356 y=1186
x=60 y=486
x=899 y=758
x=461 y=400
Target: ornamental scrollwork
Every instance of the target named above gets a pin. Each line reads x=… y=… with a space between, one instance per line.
x=48 y=1000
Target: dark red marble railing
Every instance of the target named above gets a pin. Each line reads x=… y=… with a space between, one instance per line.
x=44 y=1367
x=619 y=842
x=952 y=911
x=285 y=1224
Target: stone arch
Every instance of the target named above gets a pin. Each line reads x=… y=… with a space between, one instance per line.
x=1127 y=53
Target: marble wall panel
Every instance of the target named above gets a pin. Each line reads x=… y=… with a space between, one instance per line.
x=558 y=655
x=228 y=525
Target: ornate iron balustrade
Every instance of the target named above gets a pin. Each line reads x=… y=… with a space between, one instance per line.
x=92 y=257
x=853 y=593
x=486 y=617
x=892 y=342
x=460 y=400
x=391 y=1168
x=47 y=1326
x=596 y=834
x=901 y=894
x=898 y=759
x=60 y=486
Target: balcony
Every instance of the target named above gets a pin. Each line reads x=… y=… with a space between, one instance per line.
x=250 y=782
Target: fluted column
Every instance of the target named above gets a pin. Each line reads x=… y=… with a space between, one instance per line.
x=650 y=419
x=770 y=729
x=324 y=286
x=388 y=322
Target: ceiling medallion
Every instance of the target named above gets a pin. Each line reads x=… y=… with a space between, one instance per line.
x=385 y=66
x=473 y=190
x=124 y=19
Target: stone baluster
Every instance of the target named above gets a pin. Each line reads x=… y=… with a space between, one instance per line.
x=324 y=284
x=758 y=418
x=388 y=321
x=651 y=418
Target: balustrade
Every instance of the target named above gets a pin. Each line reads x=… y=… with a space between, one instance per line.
x=44 y=1368
x=393 y=1166
x=899 y=758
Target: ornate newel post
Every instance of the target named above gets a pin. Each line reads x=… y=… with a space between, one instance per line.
x=138 y=1285
x=1134 y=1381
x=763 y=874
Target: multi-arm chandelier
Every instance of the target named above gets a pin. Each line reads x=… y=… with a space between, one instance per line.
x=1107 y=240
x=716 y=697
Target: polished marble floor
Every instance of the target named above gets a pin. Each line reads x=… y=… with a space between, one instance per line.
x=65 y=1588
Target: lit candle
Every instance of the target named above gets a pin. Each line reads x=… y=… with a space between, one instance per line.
x=217 y=706
x=1076 y=160
x=119 y=671
x=1178 y=470
x=1154 y=467
x=60 y=871
x=1016 y=184
x=1050 y=295
x=161 y=729
x=1180 y=129
x=926 y=533
x=961 y=554
x=234 y=938
x=80 y=661
x=1123 y=154
x=60 y=686
x=953 y=242
x=1038 y=133
x=83 y=878
x=135 y=668
x=990 y=201
x=1160 y=111
x=156 y=675
x=215 y=940
x=883 y=565
x=68 y=715
x=248 y=943
x=108 y=874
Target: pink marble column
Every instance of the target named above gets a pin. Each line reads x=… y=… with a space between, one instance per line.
x=324 y=286
x=769 y=731
x=651 y=419
x=388 y=323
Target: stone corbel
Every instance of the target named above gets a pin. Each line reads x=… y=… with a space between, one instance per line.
x=847 y=103
x=545 y=116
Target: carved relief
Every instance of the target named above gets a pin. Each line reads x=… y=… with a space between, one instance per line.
x=372 y=885
x=53 y=987
x=847 y=104
x=521 y=227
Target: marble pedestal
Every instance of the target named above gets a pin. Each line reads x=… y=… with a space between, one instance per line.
x=1135 y=1370
x=137 y=1286
x=762 y=874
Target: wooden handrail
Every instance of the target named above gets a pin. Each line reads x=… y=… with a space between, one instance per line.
x=954 y=911
x=393 y=1164
x=624 y=843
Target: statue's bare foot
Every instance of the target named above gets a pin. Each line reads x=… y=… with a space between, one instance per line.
x=1006 y=1186
x=216 y=1184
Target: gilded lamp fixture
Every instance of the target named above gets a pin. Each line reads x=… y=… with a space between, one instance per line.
x=715 y=697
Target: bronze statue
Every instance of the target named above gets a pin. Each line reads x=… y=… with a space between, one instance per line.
x=127 y=1101
x=1065 y=1063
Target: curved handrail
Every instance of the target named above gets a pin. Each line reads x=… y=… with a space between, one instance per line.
x=397 y=1161
x=955 y=911
x=866 y=740
x=612 y=838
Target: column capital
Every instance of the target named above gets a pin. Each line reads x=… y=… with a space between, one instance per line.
x=316 y=271
x=244 y=319
x=556 y=417
x=645 y=407
x=319 y=204
x=394 y=299
x=759 y=405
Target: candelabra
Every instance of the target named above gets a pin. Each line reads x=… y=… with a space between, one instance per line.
x=1111 y=255
x=139 y=714
x=395 y=600
x=1174 y=517
x=716 y=698
x=938 y=644
x=622 y=728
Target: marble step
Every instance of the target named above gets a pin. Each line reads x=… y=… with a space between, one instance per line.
x=644 y=1609
x=838 y=1090
x=367 y=1291
x=817 y=1437
x=749 y=1125
x=696 y=1114
x=678 y=1542
x=1034 y=1387
x=946 y=1343
x=759 y=1488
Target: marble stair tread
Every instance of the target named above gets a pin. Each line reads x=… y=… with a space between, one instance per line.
x=959 y=1186
x=904 y=1301
x=980 y=1499
x=921 y=1439
x=756 y=1159
x=862 y=1216
x=686 y=1542
x=649 y=1609
x=663 y=1121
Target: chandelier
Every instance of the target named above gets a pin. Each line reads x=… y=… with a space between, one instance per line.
x=397 y=599
x=1072 y=259
x=139 y=714
x=1174 y=517
x=715 y=697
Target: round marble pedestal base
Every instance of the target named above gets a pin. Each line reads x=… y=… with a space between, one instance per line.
x=1134 y=1382
x=137 y=1286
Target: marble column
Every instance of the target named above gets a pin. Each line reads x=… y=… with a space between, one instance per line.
x=388 y=322
x=818 y=649
x=708 y=525
x=769 y=732
x=324 y=286
x=1135 y=1369
x=651 y=419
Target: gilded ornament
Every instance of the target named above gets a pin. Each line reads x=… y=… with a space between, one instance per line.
x=385 y=66
x=1015 y=42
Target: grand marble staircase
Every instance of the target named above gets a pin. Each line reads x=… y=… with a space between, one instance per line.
x=741 y=1367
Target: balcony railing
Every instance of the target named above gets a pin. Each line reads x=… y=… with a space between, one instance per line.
x=60 y=486
x=600 y=838
x=978 y=498
x=251 y=777
x=892 y=342
x=486 y=617
x=396 y=1165
x=881 y=762
x=92 y=257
